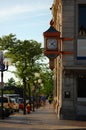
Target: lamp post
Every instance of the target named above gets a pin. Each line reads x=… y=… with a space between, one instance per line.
x=3 y=67
x=39 y=85
x=38 y=80
x=33 y=98
x=29 y=95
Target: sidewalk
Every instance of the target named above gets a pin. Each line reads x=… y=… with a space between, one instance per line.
x=41 y=119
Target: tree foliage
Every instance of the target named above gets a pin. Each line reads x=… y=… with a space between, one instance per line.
x=25 y=55
x=22 y=53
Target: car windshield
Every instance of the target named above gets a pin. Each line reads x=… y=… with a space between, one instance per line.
x=13 y=100
x=20 y=100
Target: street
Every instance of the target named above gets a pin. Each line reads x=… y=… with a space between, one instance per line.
x=40 y=119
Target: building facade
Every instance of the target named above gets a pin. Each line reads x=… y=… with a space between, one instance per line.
x=69 y=18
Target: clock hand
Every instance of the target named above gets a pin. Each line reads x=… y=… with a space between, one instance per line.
x=52 y=43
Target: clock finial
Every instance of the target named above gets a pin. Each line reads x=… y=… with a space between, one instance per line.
x=51 y=22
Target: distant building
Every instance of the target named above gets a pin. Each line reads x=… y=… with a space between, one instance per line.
x=70 y=66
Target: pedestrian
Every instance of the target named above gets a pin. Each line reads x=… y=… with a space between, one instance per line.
x=43 y=100
x=50 y=99
x=28 y=107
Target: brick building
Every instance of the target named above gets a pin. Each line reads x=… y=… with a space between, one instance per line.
x=70 y=66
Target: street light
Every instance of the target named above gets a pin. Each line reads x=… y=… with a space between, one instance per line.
x=33 y=98
x=37 y=75
x=39 y=86
x=38 y=79
x=3 y=67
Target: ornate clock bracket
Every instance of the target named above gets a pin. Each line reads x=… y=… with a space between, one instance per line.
x=50 y=50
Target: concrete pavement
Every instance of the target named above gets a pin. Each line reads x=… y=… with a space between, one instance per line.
x=41 y=119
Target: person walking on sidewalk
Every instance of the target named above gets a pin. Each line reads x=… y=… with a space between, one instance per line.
x=50 y=99
x=43 y=100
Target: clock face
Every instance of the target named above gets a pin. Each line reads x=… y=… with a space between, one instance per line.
x=52 y=44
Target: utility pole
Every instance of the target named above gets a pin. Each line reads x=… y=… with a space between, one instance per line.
x=3 y=67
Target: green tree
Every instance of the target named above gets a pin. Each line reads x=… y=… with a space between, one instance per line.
x=46 y=76
x=47 y=80
x=27 y=56
x=11 y=82
x=23 y=55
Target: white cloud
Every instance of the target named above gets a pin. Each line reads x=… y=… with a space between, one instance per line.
x=21 y=8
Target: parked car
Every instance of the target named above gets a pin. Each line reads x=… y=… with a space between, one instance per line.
x=15 y=105
x=21 y=103
x=7 y=104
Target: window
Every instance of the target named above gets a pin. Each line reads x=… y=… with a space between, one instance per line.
x=81 y=85
x=82 y=20
x=81 y=41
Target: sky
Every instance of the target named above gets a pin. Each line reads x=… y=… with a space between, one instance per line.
x=27 y=19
